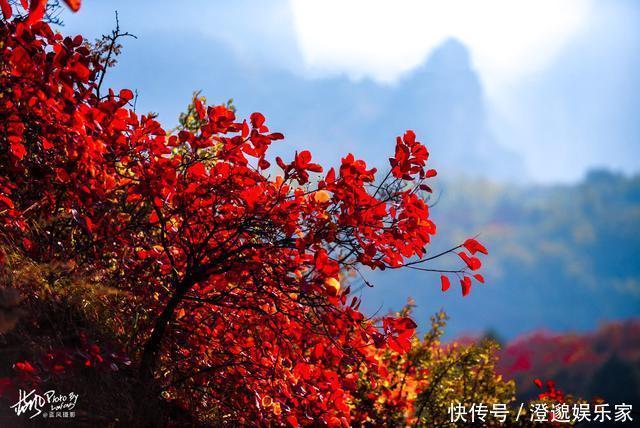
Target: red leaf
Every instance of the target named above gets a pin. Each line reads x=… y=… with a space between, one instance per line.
x=405 y=324
x=82 y=72
x=6 y=8
x=304 y=157
x=431 y=173
x=6 y=201
x=409 y=136
x=314 y=167
x=474 y=246
x=291 y=420
x=18 y=150
x=200 y=111
x=126 y=95
x=400 y=345
x=197 y=169
x=479 y=278
x=74 y=5
x=331 y=176
x=27 y=244
x=89 y=224
x=25 y=367
x=257 y=120
x=445 y=283
x=472 y=262
x=466 y=285
x=36 y=11
x=263 y=163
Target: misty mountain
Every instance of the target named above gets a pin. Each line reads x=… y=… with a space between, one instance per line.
x=442 y=101
x=447 y=106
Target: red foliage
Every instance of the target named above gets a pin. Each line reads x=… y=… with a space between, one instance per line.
x=574 y=359
x=36 y=8
x=550 y=393
x=235 y=271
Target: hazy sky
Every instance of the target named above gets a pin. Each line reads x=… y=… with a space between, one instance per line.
x=560 y=77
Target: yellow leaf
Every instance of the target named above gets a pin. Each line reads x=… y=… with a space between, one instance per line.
x=333 y=283
x=322 y=196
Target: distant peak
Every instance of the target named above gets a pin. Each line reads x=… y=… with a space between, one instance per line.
x=450 y=55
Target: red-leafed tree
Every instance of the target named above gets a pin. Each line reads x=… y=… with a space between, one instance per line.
x=233 y=268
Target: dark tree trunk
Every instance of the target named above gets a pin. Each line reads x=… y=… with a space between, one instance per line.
x=148 y=413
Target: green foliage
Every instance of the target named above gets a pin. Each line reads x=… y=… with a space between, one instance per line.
x=418 y=387
x=457 y=373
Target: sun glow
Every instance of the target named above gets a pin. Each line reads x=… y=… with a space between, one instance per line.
x=383 y=39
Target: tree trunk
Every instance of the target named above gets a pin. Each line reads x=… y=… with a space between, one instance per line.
x=147 y=413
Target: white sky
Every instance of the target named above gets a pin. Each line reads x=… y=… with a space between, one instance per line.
x=382 y=38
